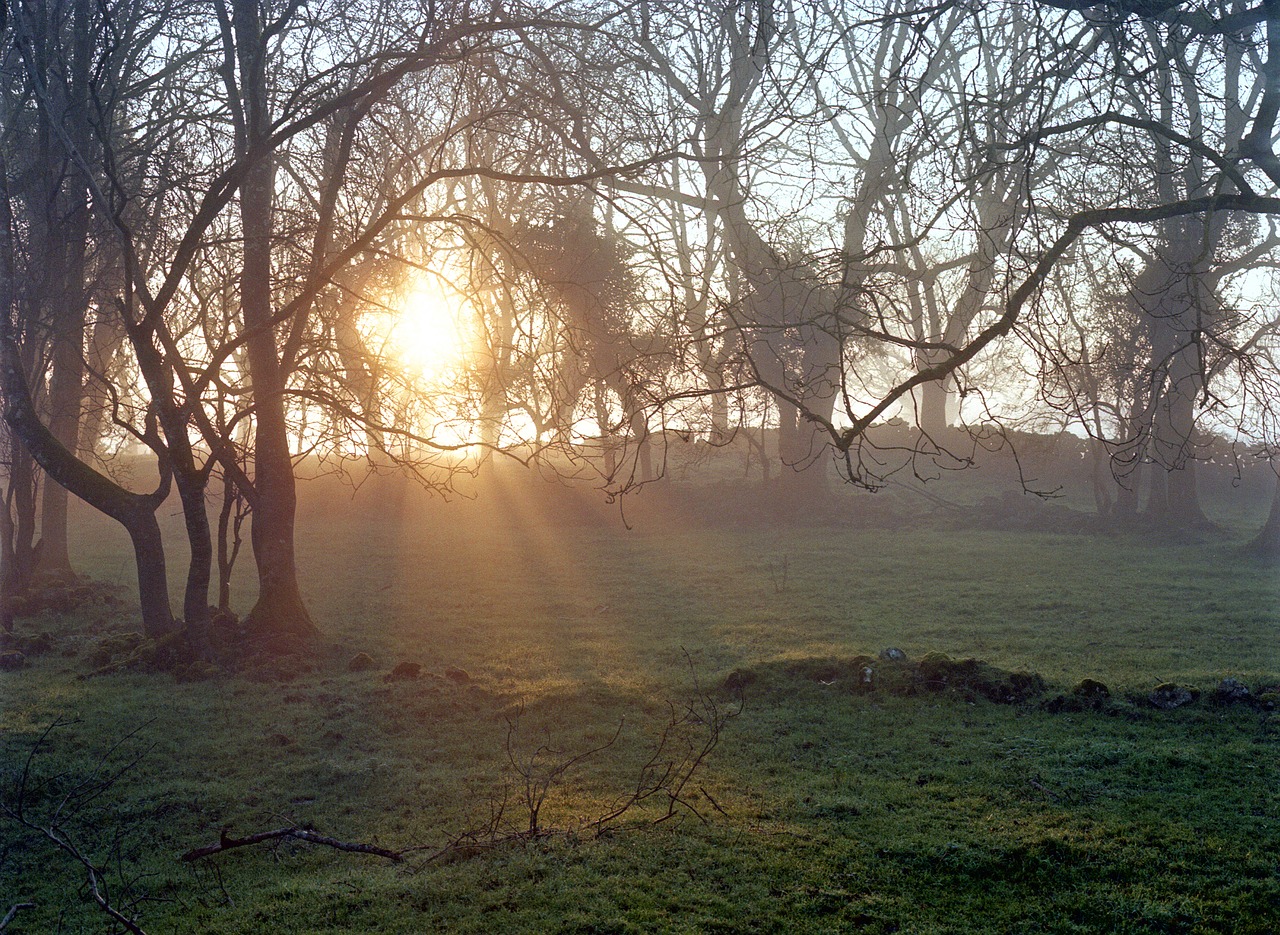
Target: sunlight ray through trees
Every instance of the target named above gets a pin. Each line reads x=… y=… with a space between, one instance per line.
x=426 y=238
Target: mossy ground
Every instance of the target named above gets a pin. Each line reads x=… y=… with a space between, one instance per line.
x=828 y=811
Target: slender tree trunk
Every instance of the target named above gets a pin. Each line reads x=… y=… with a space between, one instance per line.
x=644 y=450
x=64 y=400
x=153 y=578
x=104 y=345
x=195 y=602
x=18 y=547
x=1185 y=383
x=1128 y=496
x=1100 y=477
x=66 y=235
x=229 y=519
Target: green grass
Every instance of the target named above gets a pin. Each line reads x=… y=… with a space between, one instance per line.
x=843 y=813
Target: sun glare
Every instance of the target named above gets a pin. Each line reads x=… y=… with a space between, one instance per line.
x=428 y=330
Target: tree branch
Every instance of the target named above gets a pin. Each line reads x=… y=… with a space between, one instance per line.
x=226 y=843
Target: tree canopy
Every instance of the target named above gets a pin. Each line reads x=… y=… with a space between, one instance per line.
x=228 y=229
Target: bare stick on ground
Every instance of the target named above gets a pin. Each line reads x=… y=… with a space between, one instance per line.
x=226 y=843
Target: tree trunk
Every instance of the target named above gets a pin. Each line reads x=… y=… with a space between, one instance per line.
x=1185 y=384
x=932 y=411
x=153 y=578
x=136 y=512
x=279 y=611
x=1128 y=496
x=65 y=233
x=230 y=516
x=1100 y=477
x=104 y=346
x=1157 y=506
x=64 y=400
x=18 y=545
x=1267 y=542
x=195 y=602
x=1184 y=510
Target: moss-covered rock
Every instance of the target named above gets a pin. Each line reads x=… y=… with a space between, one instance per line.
x=826 y=671
x=939 y=671
x=404 y=671
x=1170 y=695
x=1088 y=695
x=457 y=675
x=1232 y=691
x=891 y=675
x=1008 y=687
x=1091 y=692
x=115 y=647
x=360 y=662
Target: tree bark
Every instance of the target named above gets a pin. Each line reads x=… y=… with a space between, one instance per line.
x=17 y=527
x=932 y=415
x=65 y=234
x=64 y=398
x=279 y=611
x=1267 y=542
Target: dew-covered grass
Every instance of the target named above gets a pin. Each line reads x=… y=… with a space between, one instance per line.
x=826 y=810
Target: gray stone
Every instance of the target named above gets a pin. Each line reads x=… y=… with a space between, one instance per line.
x=1231 y=691
x=1169 y=696
x=892 y=654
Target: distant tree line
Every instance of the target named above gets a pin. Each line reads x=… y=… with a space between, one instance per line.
x=654 y=217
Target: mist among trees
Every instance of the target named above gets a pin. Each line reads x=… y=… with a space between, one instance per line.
x=232 y=232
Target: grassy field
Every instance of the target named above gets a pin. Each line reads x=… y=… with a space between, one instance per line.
x=827 y=810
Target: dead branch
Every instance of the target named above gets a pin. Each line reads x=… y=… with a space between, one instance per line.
x=77 y=799
x=227 y=843
x=691 y=732
x=13 y=911
x=515 y=812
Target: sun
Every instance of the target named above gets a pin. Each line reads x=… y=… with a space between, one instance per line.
x=428 y=330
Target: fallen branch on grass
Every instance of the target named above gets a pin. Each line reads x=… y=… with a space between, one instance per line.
x=226 y=843
x=13 y=911
x=691 y=732
x=515 y=813
x=15 y=805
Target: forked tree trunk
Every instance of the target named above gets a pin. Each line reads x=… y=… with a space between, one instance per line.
x=136 y=512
